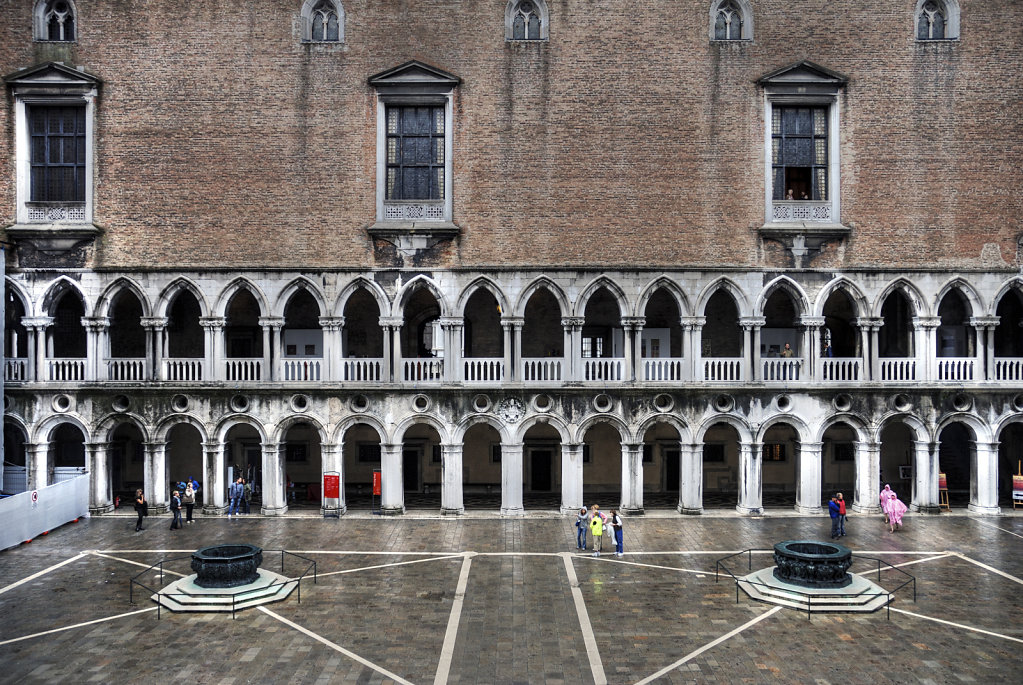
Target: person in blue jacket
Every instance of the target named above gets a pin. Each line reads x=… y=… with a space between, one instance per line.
x=834 y=510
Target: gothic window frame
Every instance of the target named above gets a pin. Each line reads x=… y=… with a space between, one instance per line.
x=41 y=21
x=745 y=12
x=950 y=12
x=511 y=13
x=310 y=8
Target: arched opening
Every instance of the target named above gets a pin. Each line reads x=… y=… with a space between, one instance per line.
x=361 y=457
x=955 y=334
x=15 y=339
x=838 y=463
x=720 y=467
x=243 y=458
x=127 y=337
x=895 y=338
x=303 y=466
x=66 y=340
x=955 y=455
x=422 y=338
x=602 y=465
x=421 y=467
x=481 y=468
x=839 y=337
x=302 y=339
x=66 y=453
x=186 y=341
x=15 y=469
x=662 y=460
x=721 y=336
x=1010 y=460
x=780 y=335
x=362 y=339
x=541 y=455
x=781 y=455
x=242 y=333
x=482 y=338
x=1009 y=332
x=896 y=459
x=661 y=338
x=126 y=457
x=184 y=456
x=602 y=334
x=542 y=332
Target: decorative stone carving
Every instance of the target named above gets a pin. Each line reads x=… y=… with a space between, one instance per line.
x=812 y=564
x=226 y=565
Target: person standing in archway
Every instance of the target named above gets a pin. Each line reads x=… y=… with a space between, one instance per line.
x=141 y=508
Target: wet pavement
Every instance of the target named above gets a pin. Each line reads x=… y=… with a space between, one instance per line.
x=484 y=599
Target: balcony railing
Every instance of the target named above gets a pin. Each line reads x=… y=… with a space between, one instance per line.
x=301 y=369
x=894 y=370
x=840 y=370
x=670 y=370
x=603 y=369
x=15 y=370
x=1009 y=369
x=543 y=369
x=723 y=369
x=243 y=369
x=483 y=370
x=65 y=369
x=783 y=369
x=183 y=370
x=423 y=370
x=363 y=370
x=126 y=369
x=956 y=368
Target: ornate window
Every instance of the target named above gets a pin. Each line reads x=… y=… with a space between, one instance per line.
x=937 y=19
x=415 y=152
x=55 y=20
x=57 y=153
x=731 y=20
x=323 y=21
x=799 y=152
x=525 y=20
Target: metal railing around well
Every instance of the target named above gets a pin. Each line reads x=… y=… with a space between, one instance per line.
x=720 y=566
x=311 y=564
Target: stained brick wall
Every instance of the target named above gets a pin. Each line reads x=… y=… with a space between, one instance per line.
x=627 y=139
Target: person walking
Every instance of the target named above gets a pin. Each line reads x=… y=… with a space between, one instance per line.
x=841 y=516
x=188 y=499
x=235 y=493
x=141 y=508
x=175 y=506
x=246 y=494
x=833 y=509
x=885 y=500
x=896 y=508
x=596 y=530
x=616 y=528
x=580 y=525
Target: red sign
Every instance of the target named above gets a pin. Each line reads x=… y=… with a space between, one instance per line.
x=1017 y=488
x=942 y=483
x=376 y=482
x=331 y=486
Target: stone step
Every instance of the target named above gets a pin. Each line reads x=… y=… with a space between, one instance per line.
x=185 y=595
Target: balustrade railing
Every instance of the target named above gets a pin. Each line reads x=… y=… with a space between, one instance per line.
x=423 y=370
x=603 y=369
x=543 y=369
x=782 y=369
x=898 y=369
x=65 y=369
x=1008 y=369
x=662 y=370
x=362 y=370
x=243 y=369
x=126 y=369
x=956 y=368
x=840 y=370
x=301 y=369
x=15 y=370
x=183 y=370
x=723 y=369
x=483 y=370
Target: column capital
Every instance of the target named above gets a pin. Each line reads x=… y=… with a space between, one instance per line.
x=154 y=322
x=926 y=321
x=96 y=323
x=812 y=321
x=985 y=321
x=519 y=321
x=451 y=322
x=212 y=322
x=332 y=323
x=36 y=321
x=271 y=321
x=392 y=321
x=748 y=322
x=693 y=322
x=573 y=321
x=869 y=322
x=633 y=321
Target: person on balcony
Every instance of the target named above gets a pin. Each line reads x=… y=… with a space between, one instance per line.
x=787 y=352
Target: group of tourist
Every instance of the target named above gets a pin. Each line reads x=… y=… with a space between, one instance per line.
x=891 y=506
x=177 y=501
x=239 y=493
x=597 y=522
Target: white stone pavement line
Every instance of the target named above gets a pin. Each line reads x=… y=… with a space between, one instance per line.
x=905 y=563
x=447 y=650
x=136 y=563
x=77 y=625
x=43 y=572
x=399 y=563
x=989 y=568
x=957 y=625
x=596 y=667
x=609 y=560
x=991 y=525
x=336 y=647
x=709 y=645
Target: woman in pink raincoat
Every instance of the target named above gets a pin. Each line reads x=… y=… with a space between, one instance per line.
x=884 y=501
x=895 y=509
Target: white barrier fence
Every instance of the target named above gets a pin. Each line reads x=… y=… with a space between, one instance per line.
x=29 y=514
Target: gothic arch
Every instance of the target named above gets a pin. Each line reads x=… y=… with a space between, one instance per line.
x=542 y=283
x=746 y=15
x=798 y=295
x=730 y=287
x=665 y=283
x=19 y=292
x=308 y=9
x=58 y=288
x=361 y=283
x=402 y=296
x=114 y=289
x=510 y=12
x=910 y=291
x=853 y=291
x=481 y=283
x=232 y=288
x=1015 y=283
x=593 y=287
x=171 y=292
x=977 y=306
x=300 y=283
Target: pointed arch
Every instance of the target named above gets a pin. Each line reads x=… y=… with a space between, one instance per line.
x=594 y=286
x=232 y=288
x=545 y=283
x=480 y=283
x=361 y=283
x=731 y=288
x=794 y=290
x=731 y=20
x=911 y=293
x=57 y=289
x=292 y=288
x=852 y=291
x=111 y=292
x=175 y=288
x=55 y=21
x=662 y=283
x=18 y=291
x=323 y=21
x=526 y=20
x=409 y=289
x=1014 y=283
x=977 y=306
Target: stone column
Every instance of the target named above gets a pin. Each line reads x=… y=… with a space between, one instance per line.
x=333 y=350
x=332 y=460
x=808 y=486
x=985 y=351
x=37 y=461
x=926 y=351
x=155 y=330
x=751 y=499
x=632 y=478
x=692 y=347
x=452 y=335
x=214 y=486
x=633 y=327
x=392 y=371
x=690 y=487
x=924 y=494
x=868 y=468
x=811 y=346
x=97 y=347
x=571 y=477
x=392 y=493
x=512 y=330
x=511 y=479
x=36 y=329
x=275 y=499
x=573 y=326
x=99 y=477
x=451 y=476
x=272 y=347
x=213 y=327
x=984 y=485
x=157 y=483
x=751 y=357
x=869 y=354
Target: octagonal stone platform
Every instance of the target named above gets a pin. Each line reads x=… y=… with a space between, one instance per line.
x=186 y=595
x=861 y=595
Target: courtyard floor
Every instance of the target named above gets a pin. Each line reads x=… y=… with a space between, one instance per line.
x=484 y=599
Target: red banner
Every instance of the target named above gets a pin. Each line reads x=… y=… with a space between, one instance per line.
x=376 y=482
x=1017 y=488
x=331 y=486
x=942 y=482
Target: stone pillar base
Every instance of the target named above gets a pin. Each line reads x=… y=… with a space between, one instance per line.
x=331 y=512
x=689 y=511
x=452 y=512
x=392 y=511
x=922 y=509
x=101 y=509
x=514 y=511
x=213 y=510
x=637 y=511
x=746 y=511
x=274 y=511
x=809 y=510
x=860 y=509
x=984 y=511
x=157 y=509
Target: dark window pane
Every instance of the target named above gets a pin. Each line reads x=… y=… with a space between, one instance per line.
x=332 y=28
x=518 y=28
x=534 y=27
x=938 y=28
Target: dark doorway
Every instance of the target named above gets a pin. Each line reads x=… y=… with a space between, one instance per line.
x=410 y=469
x=540 y=470
x=672 y=476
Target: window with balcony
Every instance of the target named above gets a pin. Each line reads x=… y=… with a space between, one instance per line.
x=937 y=20
x=55 y=21
x=526 y=20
